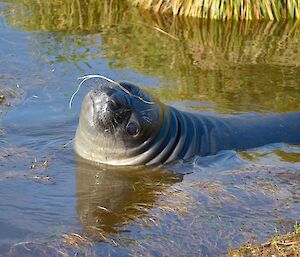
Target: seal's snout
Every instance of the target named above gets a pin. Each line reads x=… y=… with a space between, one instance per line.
x=108 y=108
x=107 y=100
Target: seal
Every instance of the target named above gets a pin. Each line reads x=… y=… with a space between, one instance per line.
x=123 y=125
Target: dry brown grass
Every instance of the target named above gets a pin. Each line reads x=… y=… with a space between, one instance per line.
x=284 y=245
x=226 y=9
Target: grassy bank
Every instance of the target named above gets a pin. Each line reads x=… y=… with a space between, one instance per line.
x=285 y=245
x=226 y=9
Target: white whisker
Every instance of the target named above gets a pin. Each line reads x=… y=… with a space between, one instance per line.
x=87 y=77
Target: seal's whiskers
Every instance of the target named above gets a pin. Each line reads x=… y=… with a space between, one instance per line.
x=87 y=77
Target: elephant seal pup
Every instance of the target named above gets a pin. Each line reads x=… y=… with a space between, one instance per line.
x=122 y=125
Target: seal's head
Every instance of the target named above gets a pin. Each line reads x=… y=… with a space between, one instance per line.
x=118 y=123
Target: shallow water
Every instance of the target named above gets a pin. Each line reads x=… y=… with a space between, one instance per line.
x=200 y=207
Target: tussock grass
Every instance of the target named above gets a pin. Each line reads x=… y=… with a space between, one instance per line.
x=280 y=245
x=226 y=9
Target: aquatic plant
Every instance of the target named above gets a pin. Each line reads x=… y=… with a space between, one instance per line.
x=225 y=9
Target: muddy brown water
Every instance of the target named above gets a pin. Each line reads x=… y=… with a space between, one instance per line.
x=200 y=207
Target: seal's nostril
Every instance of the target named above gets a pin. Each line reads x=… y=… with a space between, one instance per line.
x=112 y=105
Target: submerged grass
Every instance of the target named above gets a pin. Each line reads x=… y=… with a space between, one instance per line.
x=226 y=9
x=9 y=95
x=67 y=245
x=279 y=245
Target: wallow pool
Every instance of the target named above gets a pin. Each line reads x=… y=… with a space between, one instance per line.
x=52 y=204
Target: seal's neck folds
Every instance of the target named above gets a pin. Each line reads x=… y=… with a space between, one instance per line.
x=181 y=135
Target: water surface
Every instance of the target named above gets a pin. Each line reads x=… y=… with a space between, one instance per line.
x=200 y=207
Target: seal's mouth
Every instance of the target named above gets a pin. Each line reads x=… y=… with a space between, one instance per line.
x=110 y=109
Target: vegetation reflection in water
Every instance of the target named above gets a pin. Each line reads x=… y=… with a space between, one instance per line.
x=242 y=67
x=245 y=66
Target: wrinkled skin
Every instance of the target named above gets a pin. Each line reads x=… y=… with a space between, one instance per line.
x=121 y=128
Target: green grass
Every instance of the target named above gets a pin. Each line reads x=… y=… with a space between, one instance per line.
x=225 y=9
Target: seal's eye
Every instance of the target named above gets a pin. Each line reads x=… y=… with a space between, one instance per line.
x=132 y=128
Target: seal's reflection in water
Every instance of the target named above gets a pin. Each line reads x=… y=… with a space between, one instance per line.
x=109 y=197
